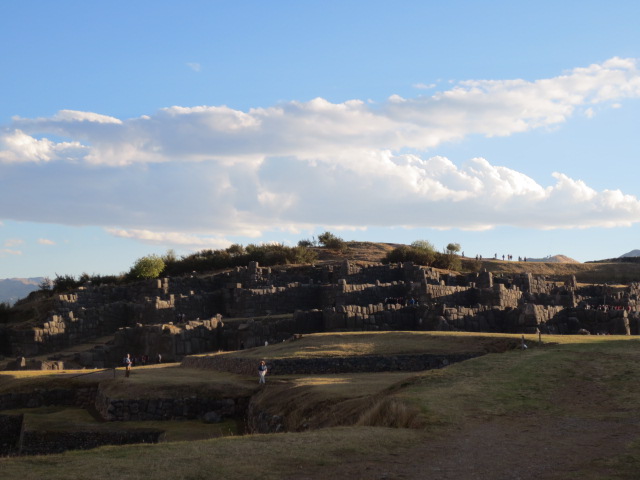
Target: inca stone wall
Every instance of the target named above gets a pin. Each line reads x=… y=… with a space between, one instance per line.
x=168 y=408
x=175 y=317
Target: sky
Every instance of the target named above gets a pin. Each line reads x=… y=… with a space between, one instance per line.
x=135 y=128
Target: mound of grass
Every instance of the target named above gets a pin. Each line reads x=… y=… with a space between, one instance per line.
x=577 y=377
x=169 y=380
x=69 y=419
x=268 y=457
x=382 y=343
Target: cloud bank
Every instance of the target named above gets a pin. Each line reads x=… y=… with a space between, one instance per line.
x=194 y=175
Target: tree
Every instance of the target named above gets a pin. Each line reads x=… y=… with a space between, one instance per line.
x=453 y=248
x=329 y=240
x=423 y=245
x=150 y=266
x=452 y=260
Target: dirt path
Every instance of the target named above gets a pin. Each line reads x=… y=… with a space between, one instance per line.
x=540 y=448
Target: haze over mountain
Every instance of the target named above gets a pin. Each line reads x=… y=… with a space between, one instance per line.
x=632 y=253
x=553 y=259
x=13 y=289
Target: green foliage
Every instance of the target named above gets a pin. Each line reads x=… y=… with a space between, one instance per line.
x=170 y=256
x=453 y=248
x=237 y=255
x=332 y=242
x=150 y=266
x=450 y=258
x=46 y=284
x=417 y=255
x=5 y=311
x=64 y=283
x=306 y=243
x=422 y=252
x=423 y=245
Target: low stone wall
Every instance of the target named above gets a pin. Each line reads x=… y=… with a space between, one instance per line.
x=81 y=397
x=10 y=429
x=307 y=366
x=42 y=443
x=178 y=408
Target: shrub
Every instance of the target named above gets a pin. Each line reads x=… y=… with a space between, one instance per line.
x=404 y=253
x=332 y=242
x=150 y=266
x=64 y=283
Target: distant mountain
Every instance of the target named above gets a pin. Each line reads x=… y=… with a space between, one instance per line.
x=632 y=253
x=553 y=259
x=13 y=289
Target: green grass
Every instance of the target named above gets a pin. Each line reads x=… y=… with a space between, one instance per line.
x=68 y=419
x=268 y=457
x=174 y=380
x=581 y=377
x=603 y=369
x=377 y=343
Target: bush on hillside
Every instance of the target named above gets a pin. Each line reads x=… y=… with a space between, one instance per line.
x=422 y=252
x=150 y=266
x=332 y=242
x=237 y=256
x=406 y=253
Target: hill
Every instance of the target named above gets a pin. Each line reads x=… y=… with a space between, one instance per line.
x=553 y=259
x=632 y=253
x=557 y=267
x=13 y=289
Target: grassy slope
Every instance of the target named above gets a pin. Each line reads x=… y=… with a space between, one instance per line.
x=582 y=377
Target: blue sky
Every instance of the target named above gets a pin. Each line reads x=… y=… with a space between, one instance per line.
x=131 y=128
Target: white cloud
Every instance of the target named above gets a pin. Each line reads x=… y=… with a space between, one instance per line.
x=7 y=251
x=18 y=147
x=424 y=86
x=193 y=176
x=45 y=241
x=171 y=238
x=13 y=242
x=196 y=67
x=318 y=127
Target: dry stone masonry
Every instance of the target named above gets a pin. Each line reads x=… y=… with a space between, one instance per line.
x=248 y=306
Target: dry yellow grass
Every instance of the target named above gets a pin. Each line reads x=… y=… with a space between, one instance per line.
x=378 y=343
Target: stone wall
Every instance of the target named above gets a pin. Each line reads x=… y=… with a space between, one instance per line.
x=83 y=397
x=168 y=408
x=49 y=442
x=309 y=366
x=337 y=297
x=10 y=433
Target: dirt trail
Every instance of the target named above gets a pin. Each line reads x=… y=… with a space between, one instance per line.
x=540 y=448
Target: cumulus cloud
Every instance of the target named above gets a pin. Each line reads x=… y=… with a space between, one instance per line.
x=192 y=176
x=171 y=238
x=46 y=241
x=319 y=127
x=13 y=242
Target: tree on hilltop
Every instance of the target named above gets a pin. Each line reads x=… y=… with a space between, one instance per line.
x=150 y=266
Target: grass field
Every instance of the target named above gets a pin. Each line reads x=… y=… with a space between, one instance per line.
x=577 y=379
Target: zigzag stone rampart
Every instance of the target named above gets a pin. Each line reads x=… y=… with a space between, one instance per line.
x=248 y=306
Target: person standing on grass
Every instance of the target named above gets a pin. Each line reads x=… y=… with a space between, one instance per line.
x=262 y=372
x=127 y=365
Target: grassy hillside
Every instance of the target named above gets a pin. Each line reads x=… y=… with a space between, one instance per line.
x=565 y=409
x=605 y=272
